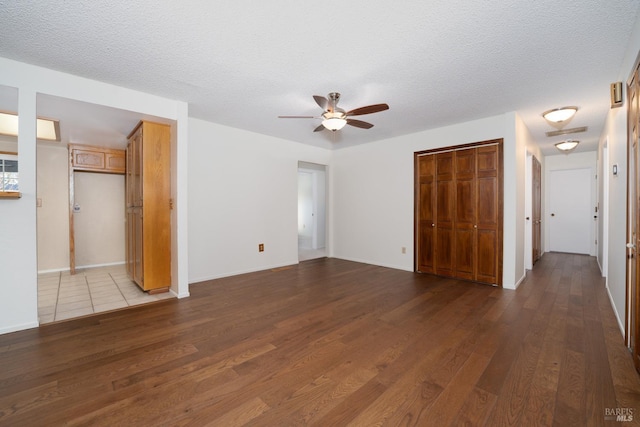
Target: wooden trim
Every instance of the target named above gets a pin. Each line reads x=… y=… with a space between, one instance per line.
x=459 y=147
x=10 y=194
x=72 y=245
x=416 y=212
x=11 y=153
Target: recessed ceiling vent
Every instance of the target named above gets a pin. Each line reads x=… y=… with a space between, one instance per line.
x=566 y=131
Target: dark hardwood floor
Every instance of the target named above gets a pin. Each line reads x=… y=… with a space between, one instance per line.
x=330 y=343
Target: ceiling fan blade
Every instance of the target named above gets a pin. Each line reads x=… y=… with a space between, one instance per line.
x=359 y=124
x=296 y=117
x=375 y=108
x=322 y=102
x=319 y=128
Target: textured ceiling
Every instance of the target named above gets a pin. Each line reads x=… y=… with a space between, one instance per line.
x=243 y=63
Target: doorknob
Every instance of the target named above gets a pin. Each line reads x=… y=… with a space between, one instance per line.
x=631 y=246
x=553 y=214
x=433 y=225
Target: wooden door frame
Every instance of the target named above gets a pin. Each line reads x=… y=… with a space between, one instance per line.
x=632 y=294
x=536 y=209
x=416 y=197
x=72 y=199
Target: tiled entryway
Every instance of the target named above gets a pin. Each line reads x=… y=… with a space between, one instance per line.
x=63 y=296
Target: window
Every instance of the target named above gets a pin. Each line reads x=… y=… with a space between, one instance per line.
x=9 y=172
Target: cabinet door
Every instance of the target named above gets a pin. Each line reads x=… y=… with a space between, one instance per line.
x=445 y=199
x=130 y=243
x=488 y=239
x=426 y=213
x=138 y=247
x=465 y=213
x=136 y=168
x=88 y=159
x=114 y=161
x=129 y=196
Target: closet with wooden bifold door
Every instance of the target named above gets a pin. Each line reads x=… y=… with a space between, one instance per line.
x=148 y=203
x=459 y=211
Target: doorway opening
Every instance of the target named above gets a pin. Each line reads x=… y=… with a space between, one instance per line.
x=81 y=215
x=570 y=205
x=312 y=227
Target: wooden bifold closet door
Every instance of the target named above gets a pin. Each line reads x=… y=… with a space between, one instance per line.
x=458 y=215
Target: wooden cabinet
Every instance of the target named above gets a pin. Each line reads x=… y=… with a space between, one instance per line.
x=458 y=198
x=97 y=159
x=148 y=193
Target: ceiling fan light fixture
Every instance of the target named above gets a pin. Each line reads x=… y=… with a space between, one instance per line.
x=334 y=123
x=568 y=145
x=334 y=120
x=559 y=115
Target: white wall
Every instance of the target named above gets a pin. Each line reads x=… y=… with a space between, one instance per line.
x=53 y=215
x=18 y=288
x=373 y=203
x=615 y=135
x=243 y=190
x=18 y=242
x=99 y=225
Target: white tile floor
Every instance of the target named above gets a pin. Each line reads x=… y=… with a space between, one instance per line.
x=63 y=296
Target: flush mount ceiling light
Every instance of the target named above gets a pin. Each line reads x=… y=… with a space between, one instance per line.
x=568 y=145
x=334 y=121
x=46 y=129
x=559 y=115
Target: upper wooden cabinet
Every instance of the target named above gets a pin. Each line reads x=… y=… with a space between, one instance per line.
x=97 y=159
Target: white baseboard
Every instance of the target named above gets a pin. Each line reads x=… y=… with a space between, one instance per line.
x=613 y=306
x=20 y=327
x=58 y=270
x=239 y=272
x=364 y=261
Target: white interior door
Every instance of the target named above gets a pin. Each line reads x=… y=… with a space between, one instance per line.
x=570 y=212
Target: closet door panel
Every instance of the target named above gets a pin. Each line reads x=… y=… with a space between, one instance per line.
x=487 y=202
x=488 y=211
x=427 y=219
x=444 y=228
x=465 y=254
x=465 y=213
x=444 y=251
x=426 y=214
x=487 y=270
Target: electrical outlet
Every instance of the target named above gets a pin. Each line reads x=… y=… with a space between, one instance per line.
x=404 y=250
x=261 y=247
